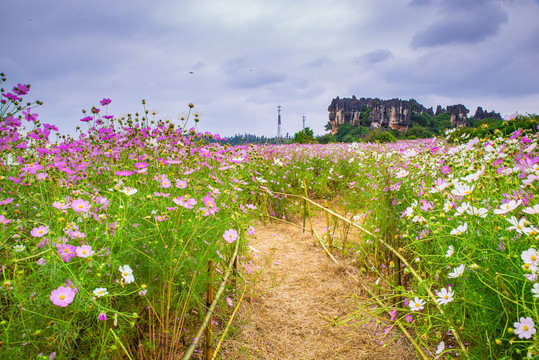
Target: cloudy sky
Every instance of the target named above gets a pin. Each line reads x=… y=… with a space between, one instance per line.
x=236 y=60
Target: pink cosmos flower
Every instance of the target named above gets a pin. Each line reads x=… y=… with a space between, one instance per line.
x=62 y=296
x=39 y=231
x=209 y=202
x=102 y=316
x=76 y=234
x=229 y=301
x=105 y=102
x=3 y=220
x=230 y=235
x=66 y=251
x=70 y=284
x=60 y=205
x=84 y=251
x=165 y=183
x=251 y=230
x=7 y=201
x=124 y=173
x=181 y=184
x=81 y=205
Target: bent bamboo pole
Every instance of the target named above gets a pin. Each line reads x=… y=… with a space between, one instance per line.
x=191 y=348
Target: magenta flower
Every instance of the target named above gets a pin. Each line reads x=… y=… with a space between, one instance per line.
x=209 y=202
x=40 y=134
x=7 y=201
x=67 y=252
x=102 y=316
x=230 y=235
x=105 y=102
x=21 y=89
x=70 y=284
x=87 y=119
x=81 y=205
x=124 y=173
x=39 y=231
x=62 y=296
x=445 y=169
x=84 y=251
x=3 y=220
x=29 y=116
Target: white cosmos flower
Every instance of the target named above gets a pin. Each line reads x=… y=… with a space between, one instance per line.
x=518 y=225
x=532 y=210
x=444 y=296
x=525 y=328
x=417 y=304
x=129 y=191
x=419 y=219
x=440 y=348
x=401 y=174
x=277 y=162
x=408 y=212
x=450 y=251
x=530 y=256
x=448 y=206
x=457 y=272
x=462 y=208
x=100 y=292
x=478 y=212
x=461 y=229
x=127 y=274
x=510 y=206
x=462 y=189
x=535 y=290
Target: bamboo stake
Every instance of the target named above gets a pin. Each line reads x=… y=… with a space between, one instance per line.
x=218 y=347
x=191 y=348
x=308 y=207
x=209 y=300
x=330 y=238
x=401 y=327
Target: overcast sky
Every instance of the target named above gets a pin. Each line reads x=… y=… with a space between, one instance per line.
x=236 y=60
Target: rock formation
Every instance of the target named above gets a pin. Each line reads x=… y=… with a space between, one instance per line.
x=394 y=113
x=387 y=114
x=480 y=114
x=458 y=115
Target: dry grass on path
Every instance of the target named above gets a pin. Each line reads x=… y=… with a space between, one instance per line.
x=295 y=297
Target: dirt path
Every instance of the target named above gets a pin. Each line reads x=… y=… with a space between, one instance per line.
x=295 y=296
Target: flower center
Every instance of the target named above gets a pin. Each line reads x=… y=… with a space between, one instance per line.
x=62 y=297
x=66 y=250
x=525 y=328
x=446 y=297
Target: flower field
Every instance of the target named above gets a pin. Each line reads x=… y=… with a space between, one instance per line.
x=105 y=239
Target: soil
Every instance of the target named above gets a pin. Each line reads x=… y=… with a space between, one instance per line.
x=296 y=303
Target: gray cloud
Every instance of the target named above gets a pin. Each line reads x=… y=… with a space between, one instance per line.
x=248 y=57
x=373 y=57
x=464 y=22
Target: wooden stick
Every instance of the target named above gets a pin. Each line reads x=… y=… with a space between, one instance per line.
x=209 y=300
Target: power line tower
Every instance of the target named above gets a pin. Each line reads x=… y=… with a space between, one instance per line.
x=279 y=121
x=303 y=122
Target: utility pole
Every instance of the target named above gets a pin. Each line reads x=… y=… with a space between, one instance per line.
x=303 y=122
